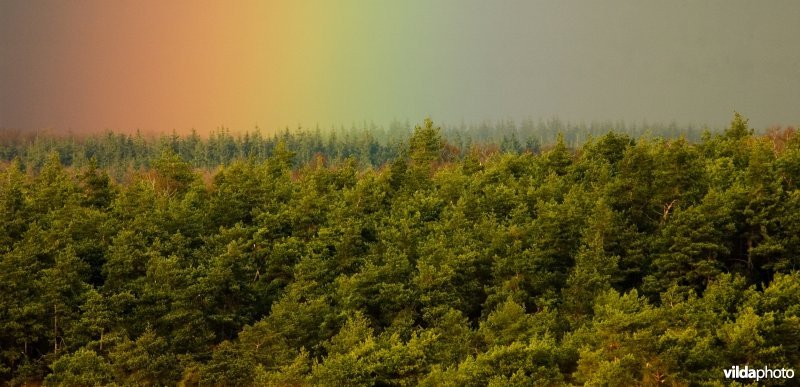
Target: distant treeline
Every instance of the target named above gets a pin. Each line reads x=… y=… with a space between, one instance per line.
x=369 y=144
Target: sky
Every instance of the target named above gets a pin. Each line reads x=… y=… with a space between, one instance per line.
x=163 y=65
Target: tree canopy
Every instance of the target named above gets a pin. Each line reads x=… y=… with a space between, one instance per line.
x=620 y=262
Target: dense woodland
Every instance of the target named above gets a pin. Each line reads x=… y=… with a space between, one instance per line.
x=611 y=260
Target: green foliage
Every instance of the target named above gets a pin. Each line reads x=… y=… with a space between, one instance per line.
x=689 y=252
x=739 y=128
x=13 y=206
x=145 y=361
x=84 y=367
x=228 y=366
x=507 y=324
x=96 y=185
x=296 y=262
x=425 y=145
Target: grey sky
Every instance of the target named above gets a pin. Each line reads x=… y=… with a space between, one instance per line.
x=688 y=61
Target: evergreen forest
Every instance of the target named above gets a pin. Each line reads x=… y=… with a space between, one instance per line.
x=442 y=257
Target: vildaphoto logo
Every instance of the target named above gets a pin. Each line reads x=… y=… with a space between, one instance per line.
x=746 y=372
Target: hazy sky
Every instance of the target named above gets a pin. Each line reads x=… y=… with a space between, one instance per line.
x=163 y=65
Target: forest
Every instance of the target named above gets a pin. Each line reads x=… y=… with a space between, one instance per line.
x=441 y=258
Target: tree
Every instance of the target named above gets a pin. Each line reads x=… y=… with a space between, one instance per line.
x=738 y=128
x=425 y=145
x=558 y=158
x=97 y=188
x=84 y=367
x=507 y=324
x=593 y=274
x=52 y=189
x=13 y=205
x=620 y=346
x=689 y=252
x=145 y=361
x=173 y=175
